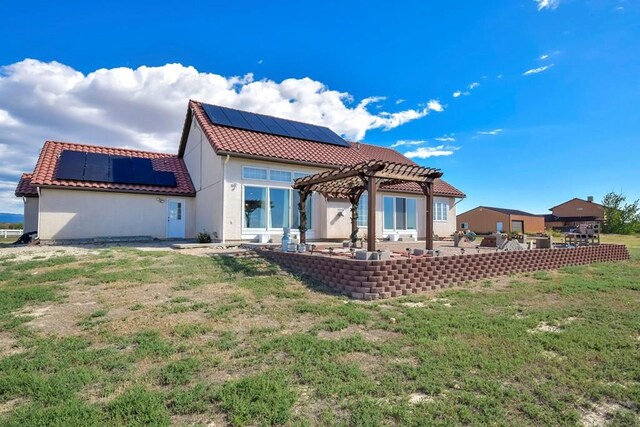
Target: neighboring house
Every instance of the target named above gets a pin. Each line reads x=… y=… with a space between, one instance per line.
x=573 y=213
x=231 y=181
x=484 y=219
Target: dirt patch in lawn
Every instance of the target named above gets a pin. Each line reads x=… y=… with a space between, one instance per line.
x=8 y=345
x=366 y=361
x=367 y=334
x=43 y=252
x=599 y=415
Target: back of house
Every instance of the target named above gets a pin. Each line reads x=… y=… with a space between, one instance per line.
x=232 y=178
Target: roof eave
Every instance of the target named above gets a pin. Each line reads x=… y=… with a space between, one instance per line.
x=118 y=190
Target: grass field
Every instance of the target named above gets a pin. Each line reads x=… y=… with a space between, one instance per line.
x=128 y=337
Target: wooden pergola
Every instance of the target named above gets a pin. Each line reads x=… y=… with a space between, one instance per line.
x=350 y=182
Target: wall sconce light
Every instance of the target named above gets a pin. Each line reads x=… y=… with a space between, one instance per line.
x=340 y=212
x=159 y=199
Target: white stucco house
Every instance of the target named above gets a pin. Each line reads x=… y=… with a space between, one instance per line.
x=231 y=177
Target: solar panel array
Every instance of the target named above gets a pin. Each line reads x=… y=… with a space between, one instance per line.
x=271 y=125
x=81 y=166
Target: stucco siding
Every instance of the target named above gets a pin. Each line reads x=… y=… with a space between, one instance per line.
x=443 y=228
x=206 y=170
x=30 y=214
x=75 y=214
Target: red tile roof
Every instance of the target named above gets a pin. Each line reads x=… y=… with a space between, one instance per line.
x=242 y=142
x=45 y=171
x=24 y=188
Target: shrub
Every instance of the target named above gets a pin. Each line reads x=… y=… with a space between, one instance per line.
x=203 y=237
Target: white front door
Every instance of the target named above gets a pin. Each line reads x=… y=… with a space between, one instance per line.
x=175 y=219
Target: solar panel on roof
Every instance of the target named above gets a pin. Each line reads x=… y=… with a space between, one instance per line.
x=81 y=166
x=166 y=179
x=96 y=168
x=120 y=169
x=71 y=165
x=142 y=171
x=271 y=125
x=255 y=122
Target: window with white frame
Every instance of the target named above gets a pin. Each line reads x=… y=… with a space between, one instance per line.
x=464 y=226
x=279 y=176
x=255 y=207
x=440 y=211
x=254 y=173
x=363 y=210
x=399 y=213
x=273 y=208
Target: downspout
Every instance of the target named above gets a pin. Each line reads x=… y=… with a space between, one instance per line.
x=39 y=206
x=224 y=184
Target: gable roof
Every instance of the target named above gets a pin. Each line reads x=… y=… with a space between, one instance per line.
x=44 y=173
x=503 y=211
x=246 y=143
x=575 y=198
x=24 y=188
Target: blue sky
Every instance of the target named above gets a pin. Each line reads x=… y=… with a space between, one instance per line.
x=547 y=103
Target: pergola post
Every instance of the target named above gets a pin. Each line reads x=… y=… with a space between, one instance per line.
x=302 y=208
x=354 y=199
x=427 y=189
x=372 y=187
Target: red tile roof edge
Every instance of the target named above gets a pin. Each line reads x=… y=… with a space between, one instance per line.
x=24 y=187
x=44 y=172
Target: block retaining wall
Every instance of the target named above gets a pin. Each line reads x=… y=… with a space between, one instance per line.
x=403 y=276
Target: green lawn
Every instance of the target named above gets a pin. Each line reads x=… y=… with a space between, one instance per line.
x=127 y=337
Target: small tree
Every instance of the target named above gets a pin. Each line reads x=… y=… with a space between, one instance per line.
x=620 y=218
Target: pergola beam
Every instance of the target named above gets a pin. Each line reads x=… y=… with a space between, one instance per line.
x=349 y=182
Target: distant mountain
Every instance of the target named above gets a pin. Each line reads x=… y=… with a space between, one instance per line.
x=9 y=217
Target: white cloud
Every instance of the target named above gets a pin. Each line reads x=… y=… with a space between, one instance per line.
x=446 y=138
x=543 y=57
x=537 y=70
x=427 y=152
x=547 y=4
x=7 y=120
x=260 y=61
x=434 y=105
x=490 y=132
x=144 y=108
x=400 y=101
x=402 y=142
x=470 y=87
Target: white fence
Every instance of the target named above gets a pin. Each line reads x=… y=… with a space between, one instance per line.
x=10 y=233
